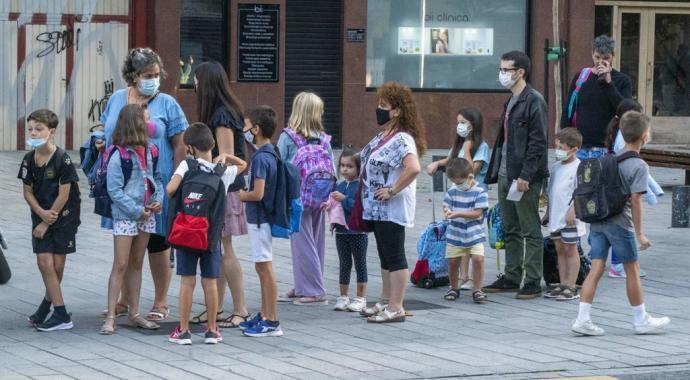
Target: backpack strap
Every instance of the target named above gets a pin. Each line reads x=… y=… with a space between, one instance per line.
x=154 y=155
x=55 y=162
x=627 y=154
x=581 y=79
x=220 y=169
x=296 y=138
x=125 y=161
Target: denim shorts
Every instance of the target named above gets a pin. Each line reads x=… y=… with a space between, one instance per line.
x=605 y=235
x=208 y=262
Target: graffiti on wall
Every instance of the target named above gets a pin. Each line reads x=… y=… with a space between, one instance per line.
x=98 y=105
x=58 y=41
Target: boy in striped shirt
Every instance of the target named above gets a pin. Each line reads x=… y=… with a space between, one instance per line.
x=464 y=205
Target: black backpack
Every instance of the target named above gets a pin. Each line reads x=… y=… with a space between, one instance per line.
x=599 y=193
x=550 y=267
x=196 y=213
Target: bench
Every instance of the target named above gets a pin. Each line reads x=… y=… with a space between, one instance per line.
x=669 y=156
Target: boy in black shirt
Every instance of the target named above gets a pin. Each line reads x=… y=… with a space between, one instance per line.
x=51 y=189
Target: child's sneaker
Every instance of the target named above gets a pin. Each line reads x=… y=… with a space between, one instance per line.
x=341 y=303
x=651 y=325
x=212 y=337
x=180 y=337
x=55 y=323
x=616 y=271
x=586 y=328
x=467 y=284
x=358 y=304
x=264 y=328
x=250 y=323
x=37 y=318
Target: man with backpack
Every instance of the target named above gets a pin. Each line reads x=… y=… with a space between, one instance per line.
x=519 y=166
x=616 y=224
x=594 y=94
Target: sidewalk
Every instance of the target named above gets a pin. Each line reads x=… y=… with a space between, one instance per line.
x=504 y=338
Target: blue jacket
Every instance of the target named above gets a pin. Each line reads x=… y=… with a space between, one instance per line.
x=128 y=202
x=349 y=189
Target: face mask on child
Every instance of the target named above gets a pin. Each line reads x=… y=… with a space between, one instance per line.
x=463 y=130
x=36 y=143
x=464 y=186
x=561 y=154
x=249 y=136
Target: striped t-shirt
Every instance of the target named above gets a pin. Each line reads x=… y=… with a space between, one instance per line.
x=463 y=232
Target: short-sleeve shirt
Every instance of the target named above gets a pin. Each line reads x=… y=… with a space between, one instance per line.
x=223 y=118
x=45 y=184
x=462 y=232
x=170 y=121
x=482 y=154
x=562 y=184
x=264 y=166
x=634 y=174
x=228 y=176
x=383 y=168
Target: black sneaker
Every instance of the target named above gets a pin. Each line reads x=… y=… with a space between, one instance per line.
x=529 y=290
x=38 y=317
x=55 y=323
x=502 y=285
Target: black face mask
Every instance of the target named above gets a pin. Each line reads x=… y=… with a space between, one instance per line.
x=382 y=116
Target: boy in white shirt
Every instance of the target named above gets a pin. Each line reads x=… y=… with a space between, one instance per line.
x=565 y=229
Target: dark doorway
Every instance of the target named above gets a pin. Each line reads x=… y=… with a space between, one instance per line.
x=313 y=57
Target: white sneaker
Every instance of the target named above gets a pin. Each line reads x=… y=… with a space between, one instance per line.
x=651 y=325
x=341 y=303
x=467 y=285
x=358 y=304
x=586 y=328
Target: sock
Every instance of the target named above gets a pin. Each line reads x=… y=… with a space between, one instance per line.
x=639 y=314
x=44 y=307
x=584 y=311
x=61 y=312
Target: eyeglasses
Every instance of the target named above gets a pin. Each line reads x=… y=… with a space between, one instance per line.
x=505 y=70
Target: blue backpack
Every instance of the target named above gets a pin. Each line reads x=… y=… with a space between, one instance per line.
x=99 y=186
x=284 y=211
x=495 y=222
x=431 y=246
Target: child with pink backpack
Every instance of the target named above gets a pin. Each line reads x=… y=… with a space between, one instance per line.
x=305 y=144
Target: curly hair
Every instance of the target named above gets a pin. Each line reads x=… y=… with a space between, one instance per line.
x=400 y=97
x=139 y=60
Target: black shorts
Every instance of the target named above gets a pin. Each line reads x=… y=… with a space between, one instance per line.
x=390 y=244
x=157 y=244
x=59 y=241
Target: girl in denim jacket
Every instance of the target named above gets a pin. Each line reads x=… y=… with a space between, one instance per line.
x=133 y=207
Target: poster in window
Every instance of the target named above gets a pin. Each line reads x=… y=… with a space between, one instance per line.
x=258 y=38
x=439 y=41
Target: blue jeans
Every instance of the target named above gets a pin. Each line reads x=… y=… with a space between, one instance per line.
x=605 y=235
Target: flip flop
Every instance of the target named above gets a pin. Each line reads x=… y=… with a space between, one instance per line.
x=197 y=319
x=227 y=323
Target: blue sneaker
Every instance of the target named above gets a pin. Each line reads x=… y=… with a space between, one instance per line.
x=250 y=323
x=264 y=328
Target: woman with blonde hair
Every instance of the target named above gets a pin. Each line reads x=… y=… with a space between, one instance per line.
x=390 y=164
x=305 y=144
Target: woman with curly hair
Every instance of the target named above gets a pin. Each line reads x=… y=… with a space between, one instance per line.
x=390 y=165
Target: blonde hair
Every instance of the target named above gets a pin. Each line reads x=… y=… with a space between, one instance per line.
x=307 y=110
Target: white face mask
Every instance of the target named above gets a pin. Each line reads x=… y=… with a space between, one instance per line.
x=463 y=129
x=464 y=186
x=506 y=79
x=249 y=136
x=561 y=154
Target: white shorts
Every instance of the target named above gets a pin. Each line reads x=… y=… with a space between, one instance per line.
x=125 y=227
x=261 y=242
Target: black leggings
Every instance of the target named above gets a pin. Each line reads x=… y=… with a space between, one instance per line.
x=352 y=246
x=390 y=243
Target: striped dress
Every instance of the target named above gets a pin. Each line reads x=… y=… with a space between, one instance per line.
x=466 y=233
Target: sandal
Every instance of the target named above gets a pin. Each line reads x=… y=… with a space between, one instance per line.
x=158 y=313
x=452 y=295
x=478 y=296
x=197 y=319
x=289 y=296
x=374 y=310
x=139 y=321
x=555 y=291
x=108 y=327
x=120 y=310
x=228 y=322
x=568 y=294
x=387 y=316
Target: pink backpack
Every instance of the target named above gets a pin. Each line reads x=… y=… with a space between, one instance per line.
x=316 y=168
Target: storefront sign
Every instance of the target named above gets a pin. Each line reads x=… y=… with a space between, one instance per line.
x=355 y=35
x=258 y=36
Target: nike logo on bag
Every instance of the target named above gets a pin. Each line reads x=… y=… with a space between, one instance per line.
x=188 y=201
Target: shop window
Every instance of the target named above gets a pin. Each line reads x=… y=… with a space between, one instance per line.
x=203 y=36
x=442 y=44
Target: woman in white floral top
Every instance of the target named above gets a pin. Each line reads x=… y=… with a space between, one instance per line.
x=391 y=165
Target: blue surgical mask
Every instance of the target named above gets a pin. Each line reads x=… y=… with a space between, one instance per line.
x=561 y=154
x=148 y=87
x=36 y=143
x=249 y=137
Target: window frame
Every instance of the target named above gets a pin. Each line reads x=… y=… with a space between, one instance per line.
x=528 y=28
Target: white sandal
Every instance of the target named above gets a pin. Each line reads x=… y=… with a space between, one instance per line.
x=387 y=316
x=139 y=321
